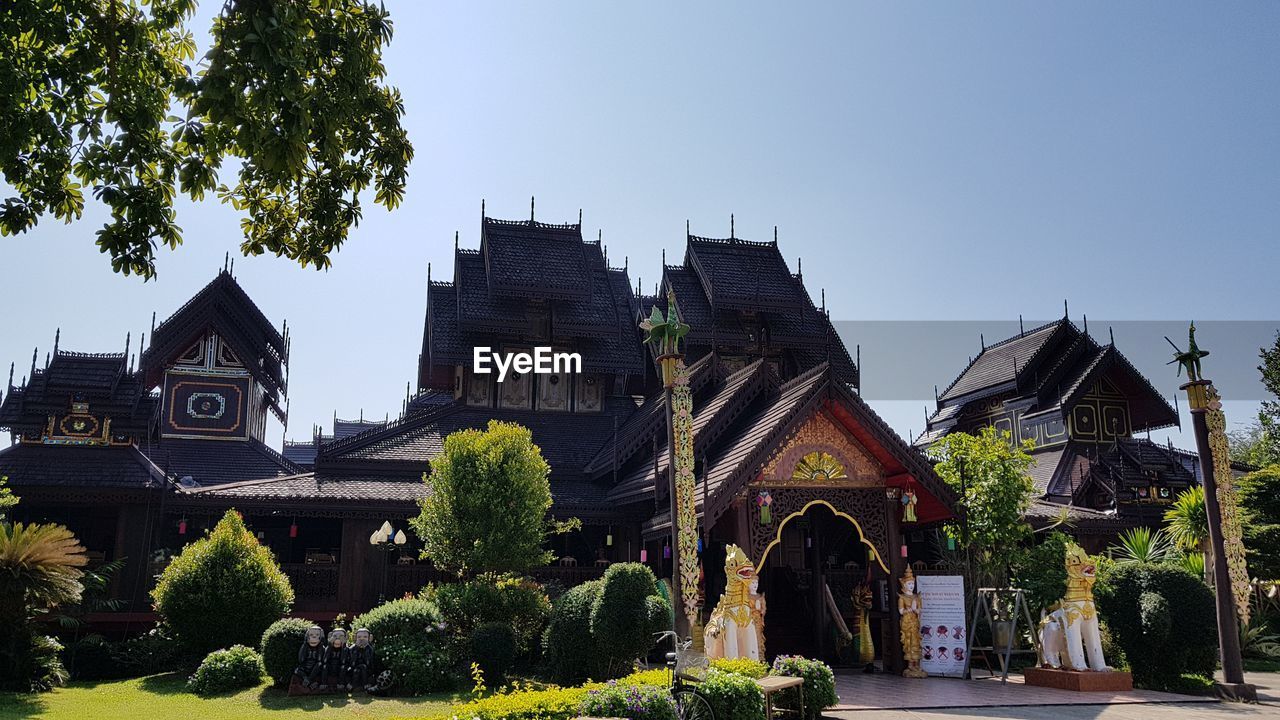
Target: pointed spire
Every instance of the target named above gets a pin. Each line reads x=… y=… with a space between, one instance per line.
x=686 y=227
x=731 y=228
x=481 y=209
x=531 y=198
x=799 y=263
x=128 y=338
x=1021 y=331
x=1065 y=313
x=46 y=360
x=935 y=394
x=35 y=352
x=824 y=301
x=153 y=323
x=225 y=259
x=11 y=367
x=626 y=263
x=142 y=344
x=1086 y=324
x=57 y=338
x=131 y=358
x=1111 y=332
x=579 y=217
x=232 y=271
x=982 y=339
x=664 y=258
x=455 y=242
x=428 y=274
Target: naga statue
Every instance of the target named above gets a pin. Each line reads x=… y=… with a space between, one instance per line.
x=909 y=606
x=736 y=626
x=1070 y=630
x=862 y=619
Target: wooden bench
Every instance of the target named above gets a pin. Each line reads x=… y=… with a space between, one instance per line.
x=773 y=684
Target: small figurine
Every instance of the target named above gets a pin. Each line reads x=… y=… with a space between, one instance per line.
x=360 y=659
x=909 y=607
x=311 y=657
x=862 y=618
x=731 y=630
x=1071 y=627
x=909 y=505
x=335 y=661
x=1190 y=360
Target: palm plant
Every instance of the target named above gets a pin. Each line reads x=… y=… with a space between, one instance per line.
x=1142 y=545
x=39 y=570
x=1256 y=640
x=1187 y=523
x=1192 y=562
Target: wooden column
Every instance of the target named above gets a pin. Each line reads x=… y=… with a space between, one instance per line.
x=892 y=653
x=361 y=572
x=132 y=543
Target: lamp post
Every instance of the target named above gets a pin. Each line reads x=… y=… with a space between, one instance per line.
x=388 y=540
x=1203 y=400
x=663 y=335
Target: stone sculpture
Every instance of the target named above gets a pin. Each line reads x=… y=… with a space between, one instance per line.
x=360 y=660
x=311 y=657
x=335 y=661
x=731 y=630
x=1070 y=631
x=909 y=606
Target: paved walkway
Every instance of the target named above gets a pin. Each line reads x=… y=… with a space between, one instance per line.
x=888 y=697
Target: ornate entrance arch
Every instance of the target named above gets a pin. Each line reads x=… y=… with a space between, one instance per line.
x=863 y=507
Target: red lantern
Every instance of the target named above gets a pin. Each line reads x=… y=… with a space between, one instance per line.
x=182 y=526
x=644 y=555
x=293 y=530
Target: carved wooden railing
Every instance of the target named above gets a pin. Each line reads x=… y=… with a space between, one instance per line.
x=313 y=582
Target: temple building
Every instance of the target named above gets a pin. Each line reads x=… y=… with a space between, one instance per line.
x=791 y=464
x=1084 y=405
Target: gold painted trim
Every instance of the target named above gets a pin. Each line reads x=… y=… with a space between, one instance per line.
x=861 y=535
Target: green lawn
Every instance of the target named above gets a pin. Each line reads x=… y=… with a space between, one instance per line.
x=165 y=696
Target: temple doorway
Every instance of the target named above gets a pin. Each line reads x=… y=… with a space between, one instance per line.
x=808 y=578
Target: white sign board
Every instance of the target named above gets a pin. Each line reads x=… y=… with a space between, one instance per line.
x=943 y=631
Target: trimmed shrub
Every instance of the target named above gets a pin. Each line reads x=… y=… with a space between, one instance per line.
x=492 y=646
x=637 y=702
x=279 y=647
x=741 y=666
x=567 y=648
x=599 y=628
x=658 y=677
x=819 y=684
x=732 y=696
x=517 y=602
x=410 y=639
x=224 y=588
x=625 y=616
x=236 y=668
x=1140 y=604
x=553 y=703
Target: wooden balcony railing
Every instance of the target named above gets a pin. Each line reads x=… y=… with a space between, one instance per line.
x=314 y=584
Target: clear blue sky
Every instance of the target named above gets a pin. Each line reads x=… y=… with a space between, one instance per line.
x=928 y=161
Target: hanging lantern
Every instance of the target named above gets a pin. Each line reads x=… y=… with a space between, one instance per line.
x=644 y=555
x=904 y=551
x=261 y=535
x=764 y=499
x=951 y=543
x=666 y=551
x=293 y=529
x=608 y=539
x=699 y=545
x=182 y=526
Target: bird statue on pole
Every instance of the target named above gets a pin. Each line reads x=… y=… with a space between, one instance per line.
x=1189 y=359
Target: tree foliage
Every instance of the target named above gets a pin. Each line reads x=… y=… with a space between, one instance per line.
x=989 y=472
x=7 y=498
x=487 y=508
x=1260 y=501
x=292 y=92
x=222 y=589
x=40 y=569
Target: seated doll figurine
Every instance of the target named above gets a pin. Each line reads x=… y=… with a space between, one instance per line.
x=335 y=661
x=360 y=659
x=311 y=657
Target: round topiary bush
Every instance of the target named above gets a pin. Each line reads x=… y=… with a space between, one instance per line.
x=519 y=603
x=410 y=638
x=492 y=646
x=819 y=684
x=279 y=647
x=741 y=666
x=732 y=696
x=566 y=643
x=236 y=668
x=1163 y=619
x=625 y=616
x=222 y=589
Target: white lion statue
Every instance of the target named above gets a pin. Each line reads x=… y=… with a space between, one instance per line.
x=1070 y=631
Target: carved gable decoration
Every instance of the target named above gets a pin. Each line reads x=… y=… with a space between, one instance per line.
x=821 y=454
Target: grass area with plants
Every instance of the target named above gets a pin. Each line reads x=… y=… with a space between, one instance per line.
x=168 y=696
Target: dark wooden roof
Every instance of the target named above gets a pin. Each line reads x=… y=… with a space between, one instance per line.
x=998 y=365
x=101 y=380
x=214 y=462
x=87 y=467
x=526 y=258
x=742 y=274
x=224 y=307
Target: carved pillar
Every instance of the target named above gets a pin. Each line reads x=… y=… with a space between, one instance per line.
x=897 y=566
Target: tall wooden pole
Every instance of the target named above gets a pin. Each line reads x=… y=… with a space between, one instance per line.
x=676 y=598
x=1234 y=686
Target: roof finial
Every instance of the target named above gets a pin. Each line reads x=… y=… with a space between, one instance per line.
x=775 y=234
x=579 y=217
x=731 y=230
x=11 y=366
x=131 y=357
x=455 y=241
x=482 y=209
x=935 y=394
x=982 y=340
x=686 y=226
x=128 y=338
x=225 y=259
x=142 y=345
x=1021 y=332
x=824 y=300
x=664 y=257
x=1086 y=324
x=531 y=208
x=799 y=263
x=428 y=274
x=46 y=360
x=626 y=263
x=57 y=336
x=1065 y=312
x=35 y=352
x=232 y=271
x=153 y=323
x=1112 y=332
